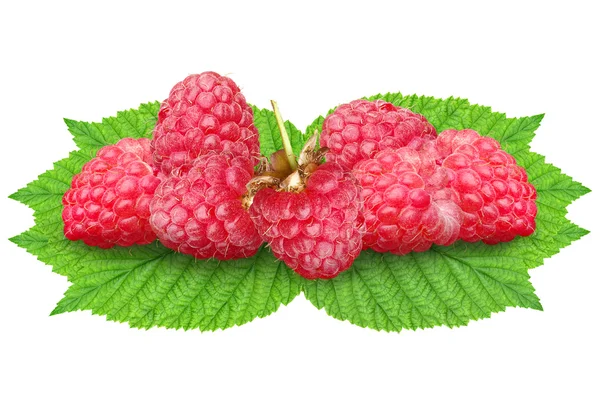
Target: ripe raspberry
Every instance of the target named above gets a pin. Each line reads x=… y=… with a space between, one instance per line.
x=201 y=213
x=108 y=202
x=497 y=200
x=204 y=112
x=315 y=230
x=401 y=215
x=359 y=129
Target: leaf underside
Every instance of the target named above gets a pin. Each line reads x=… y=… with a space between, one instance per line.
x=150 y=285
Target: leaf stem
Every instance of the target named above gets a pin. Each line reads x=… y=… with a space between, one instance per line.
x=287 y=146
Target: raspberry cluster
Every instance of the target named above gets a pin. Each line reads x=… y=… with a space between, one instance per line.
x=390 y=183
x=205 y=145
x=185 y=187
x=427 y=189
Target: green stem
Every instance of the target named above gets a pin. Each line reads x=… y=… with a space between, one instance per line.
x=287 y=146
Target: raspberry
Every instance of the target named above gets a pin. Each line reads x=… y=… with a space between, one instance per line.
x=316 y=227
x=497 y=200
x=201 y=212
x=205 y=112
x=108 y=202
x=401 y=214
x=359 y=129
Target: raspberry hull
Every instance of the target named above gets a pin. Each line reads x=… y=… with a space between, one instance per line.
x=108 y=202
x=316 y=232
x=201 y=212
x=203 y=113
x=358 y=130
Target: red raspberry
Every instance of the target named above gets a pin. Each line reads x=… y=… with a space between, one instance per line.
x=108 y=202
x=401 y=215
x=205 y=112
x=497 y=200
x=359 y=129
x=201 y=212
x=317 y=230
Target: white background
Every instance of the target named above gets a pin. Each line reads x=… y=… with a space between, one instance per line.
x=85 y=61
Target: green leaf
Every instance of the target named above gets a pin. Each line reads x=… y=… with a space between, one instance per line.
x=45 y=193
x=134 y=123
x=419 y=290
x=150 y=285
x=86 y=135
x=454 y=285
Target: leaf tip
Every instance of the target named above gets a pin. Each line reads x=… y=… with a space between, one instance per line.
x=15 y=240
x=537 y=306
x=69 y=123
x=538 y=117
x=56 y=311
x=14 y=196
x=585 y=190
x=582 y=232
